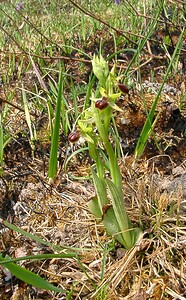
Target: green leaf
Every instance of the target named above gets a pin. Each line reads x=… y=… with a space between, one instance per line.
x=55 y=135
x=100 y=187
x=125 y=226
x=108 y=218
x=94 y=208
x=112 y=227
x=30 y=277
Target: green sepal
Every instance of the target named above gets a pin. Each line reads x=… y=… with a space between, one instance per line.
x=115 y=107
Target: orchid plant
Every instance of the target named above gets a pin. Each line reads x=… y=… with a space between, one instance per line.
x=94 y=126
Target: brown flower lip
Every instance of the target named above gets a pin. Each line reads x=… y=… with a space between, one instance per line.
x=123 y=88
x=101 y=104
x=74 y=137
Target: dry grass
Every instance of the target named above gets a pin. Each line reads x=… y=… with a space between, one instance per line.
x=154 y=269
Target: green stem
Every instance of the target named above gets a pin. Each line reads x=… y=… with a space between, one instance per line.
x=114 y=168
x=95 y=155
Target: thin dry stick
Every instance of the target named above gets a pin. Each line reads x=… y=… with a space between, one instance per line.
x=151 y=18
x=60 y=57
x=12 y=38
x=121 y=32
x=88 y=13
x=13 y=105
x=142 y=65
x=170 y=292
x=57 y=58
x=14 y=24
x=33 y=26
x=65 y=57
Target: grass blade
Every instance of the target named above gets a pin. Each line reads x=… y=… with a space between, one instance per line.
x=55 y=134
x=38 y=257
x=142 y=42
x=30 y=277
x=34 y=237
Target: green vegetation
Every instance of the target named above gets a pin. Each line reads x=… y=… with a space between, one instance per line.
x=73 y=109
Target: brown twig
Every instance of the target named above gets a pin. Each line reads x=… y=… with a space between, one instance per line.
x=60 y=57
x=65 y=57
x=119 y=31
x=35 y=28
x=137 y=13
x=88 y=13
x=12 y=38
x=13 y=105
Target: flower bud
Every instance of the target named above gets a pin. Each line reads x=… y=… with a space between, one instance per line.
x=123 y=88
x=100 y=69
x=74 y=137
x=101 y=104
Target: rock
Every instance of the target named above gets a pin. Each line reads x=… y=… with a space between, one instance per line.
x=177 y=185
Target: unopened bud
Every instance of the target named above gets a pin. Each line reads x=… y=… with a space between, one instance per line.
x=74 y=137
x=123 y=88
